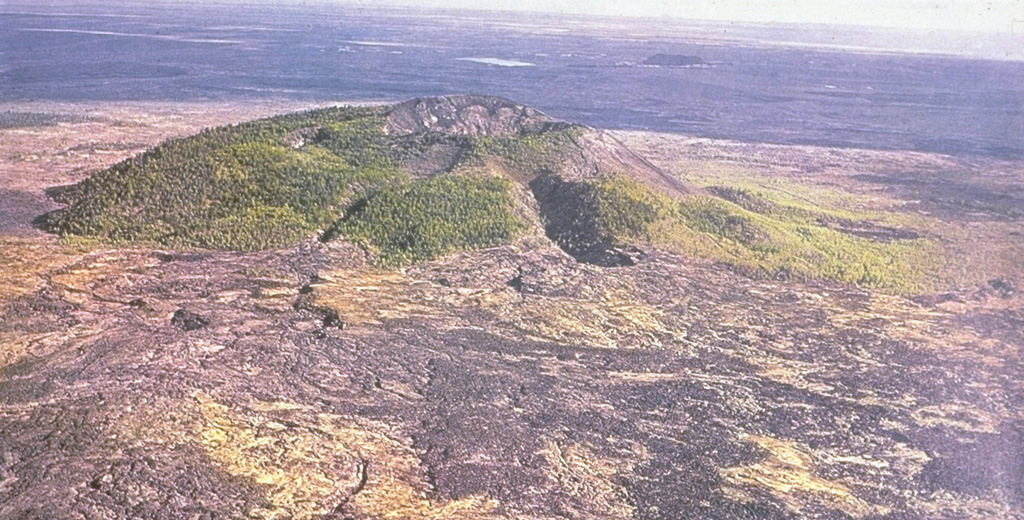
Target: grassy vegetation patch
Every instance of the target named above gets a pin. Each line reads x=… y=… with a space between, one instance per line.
x=745 y=199
x=778 y=240
x=726 y=221
x=795 y=243
x=588 y=218
x=414 y=221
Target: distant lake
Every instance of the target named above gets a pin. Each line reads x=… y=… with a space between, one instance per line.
x=762 y=89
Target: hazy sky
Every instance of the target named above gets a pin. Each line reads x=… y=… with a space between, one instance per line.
x=998 y=16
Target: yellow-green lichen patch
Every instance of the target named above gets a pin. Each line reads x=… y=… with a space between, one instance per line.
x=312 y=464
x=787 y=473
x=591 y=479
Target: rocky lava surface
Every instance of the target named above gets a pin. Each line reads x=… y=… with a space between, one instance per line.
x=506 y=383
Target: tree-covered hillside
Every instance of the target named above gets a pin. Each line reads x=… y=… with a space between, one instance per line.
x=255 y=185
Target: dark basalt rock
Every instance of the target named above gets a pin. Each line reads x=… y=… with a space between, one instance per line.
x=1002 y=287
x=187 y=320
x=333 y=320
x=614 y=255
x=516 y=283
x=37 y=313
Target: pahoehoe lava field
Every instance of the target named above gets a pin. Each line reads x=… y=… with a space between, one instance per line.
x=462 y=308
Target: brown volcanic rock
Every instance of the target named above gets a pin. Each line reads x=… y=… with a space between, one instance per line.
x=468 y=115
x=591 y=153
x=598 y=154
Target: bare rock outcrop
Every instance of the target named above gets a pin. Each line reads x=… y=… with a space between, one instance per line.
x=468 y=115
